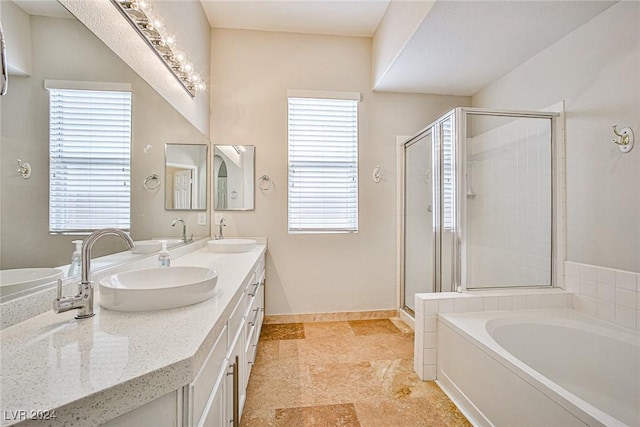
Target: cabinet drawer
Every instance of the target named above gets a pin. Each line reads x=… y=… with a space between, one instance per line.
x=260 y=265
x=235 y=321
x=206 y=378
x=255 y=308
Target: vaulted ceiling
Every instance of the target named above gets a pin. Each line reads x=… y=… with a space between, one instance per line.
x=458 y=48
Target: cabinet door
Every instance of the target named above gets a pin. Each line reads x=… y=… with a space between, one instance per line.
x=205 y=380
x=214 y=414
x=235 y=393
x=158 y=413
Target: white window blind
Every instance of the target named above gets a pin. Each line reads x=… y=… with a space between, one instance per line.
x=89 y=159
x=448 y=176
x=323 y=165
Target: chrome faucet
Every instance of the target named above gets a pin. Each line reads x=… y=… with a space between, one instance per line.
x=84 y=300
x=221 y=224
x=184 y=230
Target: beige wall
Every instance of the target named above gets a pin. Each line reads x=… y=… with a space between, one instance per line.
x=596 y=70
x=63 y=49
x=251 y=72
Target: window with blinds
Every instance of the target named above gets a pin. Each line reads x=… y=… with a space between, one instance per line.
x=89 y=159
x=323 y=164
x=448 y=175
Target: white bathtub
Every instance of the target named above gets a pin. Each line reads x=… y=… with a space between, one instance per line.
x=540 y=368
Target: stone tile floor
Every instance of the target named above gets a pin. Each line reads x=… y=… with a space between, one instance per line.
x=352 y=373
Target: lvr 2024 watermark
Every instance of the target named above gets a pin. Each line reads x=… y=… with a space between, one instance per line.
x=31 y=414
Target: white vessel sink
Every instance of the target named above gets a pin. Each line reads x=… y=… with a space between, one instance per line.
x=171 y=241
x=18 y=279
x=146 y=247
x=157 y=288
x=152 y=246
x=231 y=245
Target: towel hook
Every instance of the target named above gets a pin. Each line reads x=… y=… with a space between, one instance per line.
x=377 y=176
x=24 y=169
x=624 y=138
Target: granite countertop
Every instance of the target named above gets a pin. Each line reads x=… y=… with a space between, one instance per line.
x=95 y=369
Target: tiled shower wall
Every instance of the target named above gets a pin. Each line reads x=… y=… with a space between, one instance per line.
x=509 y=217
x=608 y=294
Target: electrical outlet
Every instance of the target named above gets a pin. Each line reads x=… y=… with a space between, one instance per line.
x=218 y=217
x=202 y=218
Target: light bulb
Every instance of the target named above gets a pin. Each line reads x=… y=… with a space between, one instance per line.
x=187 y=67
x=157 y=23
x=169 y=40
x=201 y=86
x=145 y=6
x=195 y=77
x=179 y=56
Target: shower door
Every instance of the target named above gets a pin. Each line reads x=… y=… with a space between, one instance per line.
x=478 y=209
x=430 y=212
x=417 y=216
x=508 y=199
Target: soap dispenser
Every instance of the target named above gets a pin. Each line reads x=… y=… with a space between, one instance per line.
x=76 y=258
x=163 y=259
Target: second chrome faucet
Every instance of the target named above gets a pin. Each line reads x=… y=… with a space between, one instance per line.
x=221 y=224
x=184 y=230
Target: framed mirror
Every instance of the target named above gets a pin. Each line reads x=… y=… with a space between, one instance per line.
x=185 y=177
x=233 y=177
x=60 y=47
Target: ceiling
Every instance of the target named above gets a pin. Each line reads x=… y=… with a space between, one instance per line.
x=462 y=46
x=459 y=48
x=43 y=8
x=331 y=17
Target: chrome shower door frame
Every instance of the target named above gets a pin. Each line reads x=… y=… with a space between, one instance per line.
x=557 y=172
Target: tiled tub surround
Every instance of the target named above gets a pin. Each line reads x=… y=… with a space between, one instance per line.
x=540 y=367
x=608 y=294
x=428 y=306
x=94 y=370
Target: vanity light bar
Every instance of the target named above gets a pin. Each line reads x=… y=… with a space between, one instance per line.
x=152 y=29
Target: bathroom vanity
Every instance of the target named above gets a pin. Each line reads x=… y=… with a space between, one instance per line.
x=187 y=366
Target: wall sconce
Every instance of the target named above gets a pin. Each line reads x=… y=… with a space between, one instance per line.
x=152 y=28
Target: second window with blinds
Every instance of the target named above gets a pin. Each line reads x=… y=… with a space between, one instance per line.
x=323 y=162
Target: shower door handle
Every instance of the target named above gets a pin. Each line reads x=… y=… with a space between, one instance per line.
x=4 y=81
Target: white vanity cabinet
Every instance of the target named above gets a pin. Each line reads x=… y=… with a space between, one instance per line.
x=226 y=396
x=216 y=396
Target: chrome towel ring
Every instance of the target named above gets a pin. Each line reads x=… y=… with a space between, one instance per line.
x=152 y=182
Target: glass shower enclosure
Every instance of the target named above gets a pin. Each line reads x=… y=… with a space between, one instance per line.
x=477 y=207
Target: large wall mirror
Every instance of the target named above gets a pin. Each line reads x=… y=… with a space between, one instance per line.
x=185 y=177
x=233 y=177
x=46 y=42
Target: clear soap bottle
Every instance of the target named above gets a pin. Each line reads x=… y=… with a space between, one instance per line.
x=163 y=258
x=76 y=258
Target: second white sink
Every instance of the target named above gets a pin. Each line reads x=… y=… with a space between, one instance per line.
x=157 y=288
x=19 y=279
x=231 y=245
